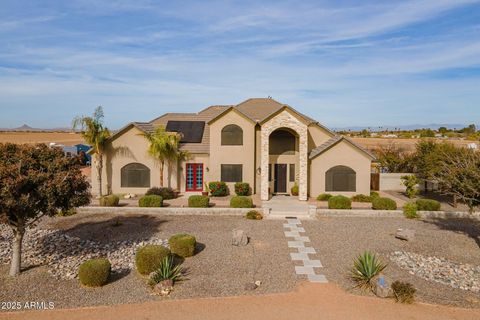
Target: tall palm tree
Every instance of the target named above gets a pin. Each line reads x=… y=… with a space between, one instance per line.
x=164 y=147
x=95 y=134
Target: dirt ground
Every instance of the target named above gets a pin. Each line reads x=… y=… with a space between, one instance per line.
x=66 y=138
x=407 y=144
x=339 y=240
x=309 y=301
x=218 y=269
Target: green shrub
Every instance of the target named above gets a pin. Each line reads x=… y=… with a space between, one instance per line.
x=182 y=245
x=109 y=201
x=150 y=201
x=254 y=215
x=410 y=182
x=339 y=202
x=165 y=193
x=94 y=272
x=427 y=205
x=242 y=189
x=241 y=202
x=383 y=204
x=218 y=188
x=67 y=213
x=294 y=190
x=167 y=271
x=197 y=201
x=324 y=197
x=365 y=268
x=149 y=258
x=410 y=210
x=374 y=194
x=403 y=292
x=361 y=198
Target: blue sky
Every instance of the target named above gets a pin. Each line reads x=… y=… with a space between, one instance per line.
x=344 y=63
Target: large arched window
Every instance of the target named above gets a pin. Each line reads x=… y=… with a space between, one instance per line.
x=232 y=135
x=135 y=175
x=340 y=178
x=281 y=142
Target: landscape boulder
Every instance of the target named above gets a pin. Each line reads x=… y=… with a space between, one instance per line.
x=405 y=234
x=239 y=238
x=163 y=288
x=382 y=289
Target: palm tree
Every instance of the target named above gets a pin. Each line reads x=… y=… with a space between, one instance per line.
x=164 y=147
x=95 y=134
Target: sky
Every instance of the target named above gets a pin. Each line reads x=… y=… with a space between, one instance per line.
x=344 y=63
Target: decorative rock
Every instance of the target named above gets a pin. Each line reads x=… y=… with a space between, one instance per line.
x=239 y=238
x=405 y=234
x=382 y=289
x=163 y=288
x=258 y=283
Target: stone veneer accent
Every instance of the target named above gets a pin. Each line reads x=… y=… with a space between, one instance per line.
x=285 y=120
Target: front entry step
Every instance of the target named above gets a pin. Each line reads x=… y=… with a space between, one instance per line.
x=281 y=207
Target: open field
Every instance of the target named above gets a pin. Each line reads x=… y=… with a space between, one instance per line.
x=407 y=144
x=66 y=138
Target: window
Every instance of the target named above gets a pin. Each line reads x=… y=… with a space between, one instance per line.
x=135 y=175
x=232 y=135
x=292 y=172
x=340 y=178
x=231 y=173
x=282 y=142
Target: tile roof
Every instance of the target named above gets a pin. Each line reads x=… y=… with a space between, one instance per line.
x=333 y=141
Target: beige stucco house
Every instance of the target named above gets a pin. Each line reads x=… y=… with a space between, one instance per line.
x=261 y=141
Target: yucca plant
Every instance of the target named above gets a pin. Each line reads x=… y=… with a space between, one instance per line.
x=365 y=268
x=167 y=271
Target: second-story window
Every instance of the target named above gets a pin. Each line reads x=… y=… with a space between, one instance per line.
x=232 y=135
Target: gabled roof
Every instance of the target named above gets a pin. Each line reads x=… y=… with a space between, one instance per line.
x=334 y=141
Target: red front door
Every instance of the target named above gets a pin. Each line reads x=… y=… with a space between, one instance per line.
x=194 y=177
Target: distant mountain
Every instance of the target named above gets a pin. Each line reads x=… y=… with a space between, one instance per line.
x=27 y=128
x=402 y=127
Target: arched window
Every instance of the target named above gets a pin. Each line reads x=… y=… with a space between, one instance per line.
x=340 y=178
x=281 y=142
x=135 y=175
x=232 y=135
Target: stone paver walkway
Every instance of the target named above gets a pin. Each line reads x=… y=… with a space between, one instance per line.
x=294 y=230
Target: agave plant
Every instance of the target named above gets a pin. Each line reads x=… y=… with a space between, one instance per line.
x=167 y=271
x=365 y=268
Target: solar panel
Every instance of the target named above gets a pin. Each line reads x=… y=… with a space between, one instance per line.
x=192 y=131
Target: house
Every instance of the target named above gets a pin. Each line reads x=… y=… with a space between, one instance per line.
x=261 y=141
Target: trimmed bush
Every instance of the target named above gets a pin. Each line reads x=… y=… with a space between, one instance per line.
x=218 y=188
x=294 y=190
x=241 y=202
x=242 y=189
x=149 y=258
x=324 y=197
x=165 y=193
x=403 y=292
x=150 y=201
x=361 y=198
x=109 y=201
x=383 y=204
x=410 y=210
x=198 y=201
x=374 y=194
x=254 y=215
x=182 y=244
x=339 y=202
x=427 y=205
x=94 y=272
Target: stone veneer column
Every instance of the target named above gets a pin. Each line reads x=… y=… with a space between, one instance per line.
x=285 y=120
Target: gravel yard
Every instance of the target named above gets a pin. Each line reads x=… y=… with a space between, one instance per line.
x=339 y=240
x=218 y=269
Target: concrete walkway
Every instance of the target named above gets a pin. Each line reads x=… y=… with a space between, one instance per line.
x=310 y=301
x=293 y=229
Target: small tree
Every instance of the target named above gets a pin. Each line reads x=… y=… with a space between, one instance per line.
x=95 y=134
x=164 y=147
x=410 y=182
x=459 y=176
x=36 y=181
